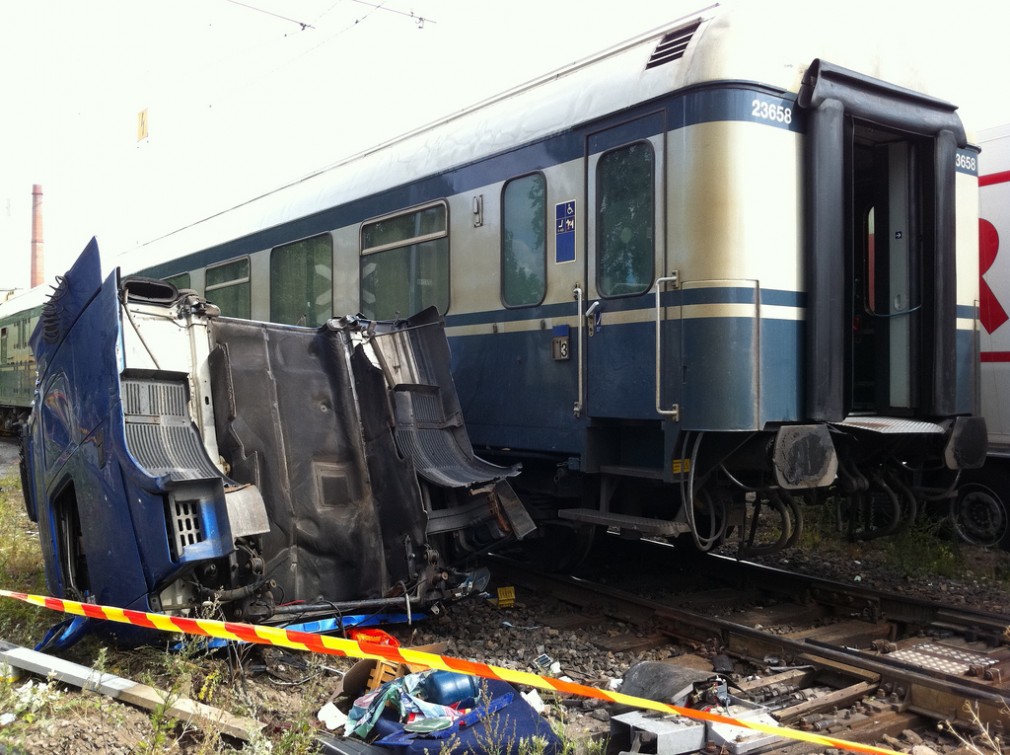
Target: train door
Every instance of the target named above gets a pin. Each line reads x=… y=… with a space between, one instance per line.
x=625 y=168
x=881 y=276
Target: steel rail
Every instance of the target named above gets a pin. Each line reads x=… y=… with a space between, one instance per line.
x=928 y=692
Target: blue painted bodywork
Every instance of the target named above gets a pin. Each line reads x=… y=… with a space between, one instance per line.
x=78 y=450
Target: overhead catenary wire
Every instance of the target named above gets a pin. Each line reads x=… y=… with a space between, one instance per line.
x=305 y=25
x=420 y=20
x=314 y=43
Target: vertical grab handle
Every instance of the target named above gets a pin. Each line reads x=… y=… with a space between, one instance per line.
x=578 y=294
x=674 y=411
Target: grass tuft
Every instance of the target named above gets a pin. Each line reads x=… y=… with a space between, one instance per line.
x=21 y=567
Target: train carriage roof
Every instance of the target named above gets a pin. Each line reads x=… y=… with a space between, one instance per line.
x=761 y=43
x=26 y=300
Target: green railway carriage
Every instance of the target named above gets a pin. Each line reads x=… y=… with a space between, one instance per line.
x=18 y=316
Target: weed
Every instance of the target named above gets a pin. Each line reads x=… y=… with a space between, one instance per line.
x=23 y=704
x=533 y=746
x=924 y=548
x=21 y=565
x=1000 y=572
x=298 y=736
x=982 y=742
x=209 y=687
x=183 y=669
x=163 y=727
x=573 y=743
x=921 y=551
x=596 y=746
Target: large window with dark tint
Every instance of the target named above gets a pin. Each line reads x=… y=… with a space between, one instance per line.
x=301 y=281
x=625 y=190
x=524 y=246
x=405 y=263
x=228 y=287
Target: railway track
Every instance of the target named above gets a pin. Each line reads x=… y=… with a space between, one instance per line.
x=821 y=655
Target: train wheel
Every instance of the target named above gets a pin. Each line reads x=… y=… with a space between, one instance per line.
x=979 y=513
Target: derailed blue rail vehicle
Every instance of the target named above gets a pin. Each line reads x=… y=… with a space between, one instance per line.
x=176 y=459
x=686 y=281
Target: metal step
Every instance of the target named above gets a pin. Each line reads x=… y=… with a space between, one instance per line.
x=644 y=524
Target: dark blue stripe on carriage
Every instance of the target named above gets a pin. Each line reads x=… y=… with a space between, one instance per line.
x=746 y=382
x=736 y=295
x=705 y=104
x=685 y=297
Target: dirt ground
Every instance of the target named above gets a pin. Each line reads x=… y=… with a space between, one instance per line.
x=9 y=453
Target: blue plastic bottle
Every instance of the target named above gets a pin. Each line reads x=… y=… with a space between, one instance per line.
x=448 y=687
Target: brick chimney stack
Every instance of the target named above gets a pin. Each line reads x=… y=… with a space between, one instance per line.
x=38 y=255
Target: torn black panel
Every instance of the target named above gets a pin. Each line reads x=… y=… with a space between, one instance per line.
x=291 y=427
x=429 y=421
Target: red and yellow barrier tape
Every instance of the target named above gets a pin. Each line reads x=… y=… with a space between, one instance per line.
x=315 y=643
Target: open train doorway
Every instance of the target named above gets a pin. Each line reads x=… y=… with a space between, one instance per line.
x=880 y=240
x=885 y=356
x=888 y=267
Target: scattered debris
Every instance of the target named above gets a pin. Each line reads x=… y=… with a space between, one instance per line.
x=506 y=597
x=533 y=699
x=331 y=717
x=543 y=661
x=449 y=713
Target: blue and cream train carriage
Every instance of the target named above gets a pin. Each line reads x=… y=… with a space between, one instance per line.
x=717 y=263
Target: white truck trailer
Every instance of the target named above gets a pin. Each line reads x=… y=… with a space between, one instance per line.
x=983 y=511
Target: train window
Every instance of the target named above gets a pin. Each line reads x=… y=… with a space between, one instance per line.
x=228 y=287
x=524 y=245
x=3 y=345
x=625 y=189
x=301 y=281
x=180 y=281
x=405 y=263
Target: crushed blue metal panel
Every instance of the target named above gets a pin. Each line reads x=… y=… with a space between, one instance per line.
x=175 y=458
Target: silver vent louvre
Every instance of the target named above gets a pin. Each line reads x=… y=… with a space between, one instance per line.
x=673 y=45
x=185 y=525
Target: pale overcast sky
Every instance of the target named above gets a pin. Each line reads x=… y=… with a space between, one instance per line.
x=241 y=96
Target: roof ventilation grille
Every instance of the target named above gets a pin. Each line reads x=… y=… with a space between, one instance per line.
x=673 y=45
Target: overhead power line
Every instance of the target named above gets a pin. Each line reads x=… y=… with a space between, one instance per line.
x=421 y=20
x=302 y=24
